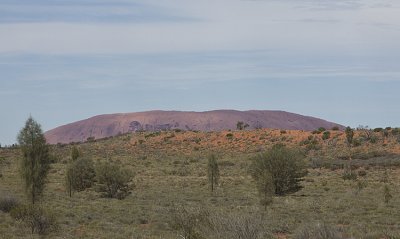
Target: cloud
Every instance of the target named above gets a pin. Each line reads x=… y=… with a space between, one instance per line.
x=179 y=26
x=85 y=12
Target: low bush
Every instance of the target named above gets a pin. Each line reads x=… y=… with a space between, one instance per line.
x=113 y=180
x=349 y=176
x=80 y=175
x=186 y=221
x=36 y=218
x=8 y=202
x=234 y=225
x=326 y=135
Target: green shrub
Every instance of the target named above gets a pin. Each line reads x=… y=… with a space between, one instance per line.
x=80 y=175
x=8 y=202
x=321 y=129
x=36 y=218
x=378 y=129
x=335 y=128
x=373 y=139
x=326 y=135
x=229 y=135
x=113 y=180
x=284 y=166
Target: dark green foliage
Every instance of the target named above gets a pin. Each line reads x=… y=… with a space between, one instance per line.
x=212 y=171
x=349 y=135
x=75 y=153
x=396 y=131
x=240 y=125
x=80 y=175
x=229 y=135
x=321 y=129
x=113 y=179
x=318 y=231
x=335 y=128
x=378 y=130
x=326 y=135
x=286 y=167
x=35 y=162
x=36 y=218
x=373 y=139
x=8 y=202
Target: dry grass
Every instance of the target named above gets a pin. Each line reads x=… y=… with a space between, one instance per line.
x=170 y=169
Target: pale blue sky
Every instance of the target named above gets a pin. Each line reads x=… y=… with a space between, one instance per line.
x=63 y=61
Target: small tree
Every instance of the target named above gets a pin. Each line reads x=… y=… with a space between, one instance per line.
x=265 y=187
x=286 y=167
x=113 y=179
x=349 y=135
x=35 y=162
x=326 y=135
x=239 y=125
x=75 y=153
x=213 y=171
x=80 y=175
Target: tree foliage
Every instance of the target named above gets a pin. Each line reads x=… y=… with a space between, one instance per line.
x=75 y=153
x=80 y=175
x=282 y=166
x=213 y=171
x=349 y=135
x=35 y=162
x=113 y=179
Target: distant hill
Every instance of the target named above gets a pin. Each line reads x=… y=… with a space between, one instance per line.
x=102 y=126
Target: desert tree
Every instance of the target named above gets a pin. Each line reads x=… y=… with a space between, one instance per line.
x=349 y=135
x=113 y=179
x=282 y=166
x=212 y=171
x=35 y=162
x=239 y=125
x=265 y=187
x=80 y=175
x=75 y=153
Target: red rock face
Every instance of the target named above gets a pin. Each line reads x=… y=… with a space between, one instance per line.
x=102 y=126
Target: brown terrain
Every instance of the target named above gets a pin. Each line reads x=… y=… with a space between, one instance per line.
x=103 y=126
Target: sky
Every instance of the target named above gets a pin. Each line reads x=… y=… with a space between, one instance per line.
x=67 y=60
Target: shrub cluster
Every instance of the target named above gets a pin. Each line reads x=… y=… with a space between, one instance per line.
x=113 y=180
x=36 y=218
x=8 y=202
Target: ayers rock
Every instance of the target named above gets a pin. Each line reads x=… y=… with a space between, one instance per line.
x=102 y=126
